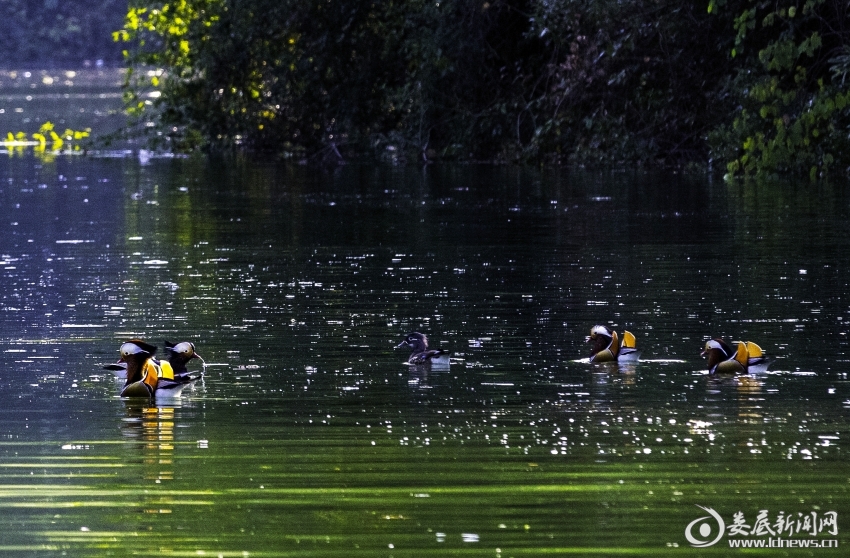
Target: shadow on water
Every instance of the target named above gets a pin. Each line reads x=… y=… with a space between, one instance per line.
x=310 y=434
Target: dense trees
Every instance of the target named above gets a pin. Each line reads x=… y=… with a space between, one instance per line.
x=749 y=86
x=631 y=81
x=333 y=78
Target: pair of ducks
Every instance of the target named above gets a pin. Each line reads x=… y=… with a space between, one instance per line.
x=148 y=377
x=722 y=358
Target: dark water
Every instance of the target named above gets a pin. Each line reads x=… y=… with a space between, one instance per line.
x=310 y=437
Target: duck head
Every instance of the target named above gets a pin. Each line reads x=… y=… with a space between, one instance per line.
x=600 y=337
x=136 y=353
x=718 y=351
x=180 y=354
x=418 y=342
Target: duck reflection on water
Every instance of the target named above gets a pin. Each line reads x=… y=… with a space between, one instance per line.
x=151 y=428
x=744 y=385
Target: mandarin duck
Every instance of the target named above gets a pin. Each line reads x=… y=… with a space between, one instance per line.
x=148 y=378
x=746 y=357
x=607 y=346
x=422 y=354
x=179 y=355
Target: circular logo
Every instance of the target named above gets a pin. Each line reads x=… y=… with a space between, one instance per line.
x=706 y=529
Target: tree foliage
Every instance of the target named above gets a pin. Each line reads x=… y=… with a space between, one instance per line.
x=757 y=84
x=317 y=77
x=791 y=84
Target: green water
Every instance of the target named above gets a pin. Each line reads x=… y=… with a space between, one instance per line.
x=310 y=436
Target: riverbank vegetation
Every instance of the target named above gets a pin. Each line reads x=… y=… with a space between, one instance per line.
x=747 y=87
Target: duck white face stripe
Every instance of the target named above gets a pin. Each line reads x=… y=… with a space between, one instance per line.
x=600 y=330
x=128 y=349
x=185 y=348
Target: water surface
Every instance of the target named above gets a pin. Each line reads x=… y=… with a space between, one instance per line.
x=309 y=436
x=76 y=99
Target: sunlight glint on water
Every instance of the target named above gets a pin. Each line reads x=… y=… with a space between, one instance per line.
x=309 y=434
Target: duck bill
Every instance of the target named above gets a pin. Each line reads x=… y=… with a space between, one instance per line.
x=402 y=344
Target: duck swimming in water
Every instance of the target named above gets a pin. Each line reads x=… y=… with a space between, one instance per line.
x=422 y=353
x=148 y=378
x=607 y=346
x=746 y=357
x=179 y=355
